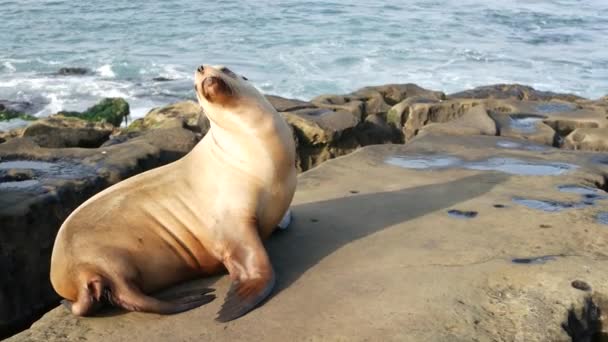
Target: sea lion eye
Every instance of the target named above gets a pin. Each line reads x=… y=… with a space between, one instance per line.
x=228 y=72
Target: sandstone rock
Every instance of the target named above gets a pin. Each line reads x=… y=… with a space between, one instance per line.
x=474 y=121
x=375 y=100
x=39 y=187
x=512 y=91
x=399 y=113
x=112 y=110
x=421 y=114
x=14 y=133
x=341 y=103
x=566 y=122
x=523 y=126
x=589 y=139
x=322 y=134
x=58 y=131
x=188 y=114
x=371 y=233
x=282 y=104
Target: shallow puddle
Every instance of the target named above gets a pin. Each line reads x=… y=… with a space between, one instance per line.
x=578 y=189
x=520 y=146
x=32 y=173
x=554 y=107
x=534 y=260
x=520 y=167
x=602 y=218
x=524 y=124
x=507 y=165
x=548 y=206
x=462 y=214
x=424 y=162
x=26 y=164
x=18 y=185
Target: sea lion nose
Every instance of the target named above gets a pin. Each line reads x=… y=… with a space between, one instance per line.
x=201 y=69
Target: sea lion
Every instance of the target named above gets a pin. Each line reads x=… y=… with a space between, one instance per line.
x=205 y=213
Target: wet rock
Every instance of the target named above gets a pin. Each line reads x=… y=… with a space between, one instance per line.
x=39 y=187
x=60 y=132
x=73 y=71
x=188 y=114
x=112 y=110
x=588 y=139
x=512 y=91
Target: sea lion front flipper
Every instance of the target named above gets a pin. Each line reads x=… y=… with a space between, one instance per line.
x=252 y=276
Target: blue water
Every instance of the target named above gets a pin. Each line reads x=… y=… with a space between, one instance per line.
x=295 y=48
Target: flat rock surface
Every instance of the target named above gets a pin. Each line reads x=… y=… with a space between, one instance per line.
x=448 y=238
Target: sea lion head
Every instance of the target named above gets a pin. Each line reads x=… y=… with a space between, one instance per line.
x=220 y=87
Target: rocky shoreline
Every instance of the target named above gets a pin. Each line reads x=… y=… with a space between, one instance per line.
x=53 y=164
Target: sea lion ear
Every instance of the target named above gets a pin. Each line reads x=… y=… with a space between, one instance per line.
x=216 y=90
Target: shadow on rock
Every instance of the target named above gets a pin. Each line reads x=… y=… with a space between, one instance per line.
x=588 y=326
x=321 y=228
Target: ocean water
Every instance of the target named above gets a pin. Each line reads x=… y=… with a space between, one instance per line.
x=295 y=49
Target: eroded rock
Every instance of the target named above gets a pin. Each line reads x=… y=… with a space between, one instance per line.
x=39 y=187
x=589 y=139
x=393 y=228
x=512 y=91
x=58 y=132
x=474 y=121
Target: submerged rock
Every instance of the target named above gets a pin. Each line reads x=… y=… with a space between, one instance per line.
x=7 y=114
x=71 y=71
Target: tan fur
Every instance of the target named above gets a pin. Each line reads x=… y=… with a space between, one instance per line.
x=192 y=217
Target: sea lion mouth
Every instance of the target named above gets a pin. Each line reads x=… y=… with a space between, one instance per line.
x=216 y=90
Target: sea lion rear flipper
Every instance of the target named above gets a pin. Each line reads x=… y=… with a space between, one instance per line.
x=252 y=274
x=130 y=298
